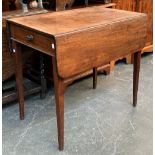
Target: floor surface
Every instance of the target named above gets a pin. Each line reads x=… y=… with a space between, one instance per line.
x=97 y=122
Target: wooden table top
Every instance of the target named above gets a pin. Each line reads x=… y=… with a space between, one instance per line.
x=82 y=38
x=59 y=23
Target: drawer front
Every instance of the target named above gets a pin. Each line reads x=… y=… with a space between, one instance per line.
x=33 y=39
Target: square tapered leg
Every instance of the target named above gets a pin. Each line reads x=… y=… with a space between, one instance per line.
x=59 y=99
x=136 y=69
x=94 y=77
x=19 y=76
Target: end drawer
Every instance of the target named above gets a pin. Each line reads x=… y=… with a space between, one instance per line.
x=32 y=38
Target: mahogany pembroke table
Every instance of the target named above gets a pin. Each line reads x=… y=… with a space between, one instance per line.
x=77 y=40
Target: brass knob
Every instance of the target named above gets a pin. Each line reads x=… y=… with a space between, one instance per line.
x=29 y=37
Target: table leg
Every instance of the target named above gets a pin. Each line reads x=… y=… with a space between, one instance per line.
x=59 y=98
x=136 y=68
x=94 y=77
x=19 y=76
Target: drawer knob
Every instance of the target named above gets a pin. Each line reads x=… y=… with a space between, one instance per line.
x=29 y=37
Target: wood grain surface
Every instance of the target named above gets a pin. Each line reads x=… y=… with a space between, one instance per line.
x=87 y=38
x=59 y=23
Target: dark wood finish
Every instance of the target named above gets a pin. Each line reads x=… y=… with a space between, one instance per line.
x=7 y=60
x=97 y=36
x=59 y=98
x=11 y=94
x=94 y=78
x=19 y=76
x=136 y=68
x=5 y=5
